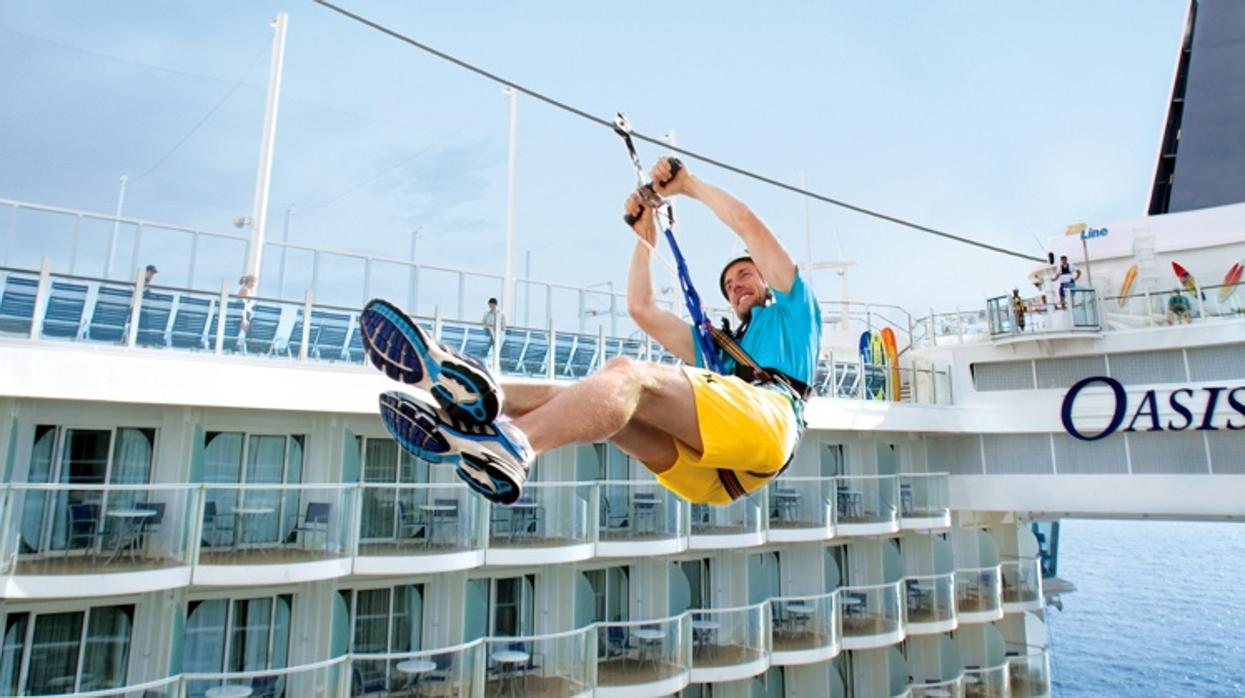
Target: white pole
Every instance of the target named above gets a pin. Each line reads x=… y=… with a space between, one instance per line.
x=808 y=231
x=414 y=276
x=112 y=242
x=507 y=275
x=527 y=293
x=285 y=238
x=259 y=214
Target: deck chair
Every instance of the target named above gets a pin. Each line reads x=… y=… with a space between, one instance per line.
x=190 y=322
x=233 y=325
x=478 y=342
x=315 y=521
x=563 y=349
x=354 y=348
x=535 y=353
x=111 y=314
x=63 y=317
x=17 y=305
x=153 y=319
x=262 y=332
x=510 y=356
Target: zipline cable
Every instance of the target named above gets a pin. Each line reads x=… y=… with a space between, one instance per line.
x=682 y=151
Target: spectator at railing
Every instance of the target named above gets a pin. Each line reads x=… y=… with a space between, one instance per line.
x=1018 y=310
x=246 y=289
x=1067 y=275
x=494 y=321
x=149 y=274
x=1179 y=309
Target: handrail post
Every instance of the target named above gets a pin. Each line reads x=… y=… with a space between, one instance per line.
x=136 y=307
x=73 y=247
x=436 y=322
x=496 y=329
x=462 y=292
x=194 y=253
x=306 y=335
x=551 y=356
x=600 y=347
x=222 y=309
x=1149 y=309
x=367 y=279
x=41 y=298
x=1201 y=305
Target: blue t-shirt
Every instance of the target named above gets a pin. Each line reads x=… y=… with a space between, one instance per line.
x=784 y=335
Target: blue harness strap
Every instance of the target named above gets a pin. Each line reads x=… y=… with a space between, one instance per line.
x=704 y=336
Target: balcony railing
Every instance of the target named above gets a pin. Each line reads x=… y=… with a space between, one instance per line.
x=742 y=517
x=930 y=600
x=978 y=591
x=924 y=496
x=54 y=529
x=1022 y=580
x=555 y=665
x=1028 y=671
x=275 y=524
x=953 y=688
x=43 y=304
x=447 y=671
x=805 y=622
x=872 y=610
x=325 y=679
x=726 y=637
x=549 y=514
x=639 y=512
x=801 y=504
x=1080 y=314
x=988 y=682
x=867 y=500
x=642 y=652
x=419 y=519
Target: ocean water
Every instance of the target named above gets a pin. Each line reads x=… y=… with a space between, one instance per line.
x=1159 y=609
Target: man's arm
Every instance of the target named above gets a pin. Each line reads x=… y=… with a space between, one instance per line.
x=766 y=251
x=669 y=331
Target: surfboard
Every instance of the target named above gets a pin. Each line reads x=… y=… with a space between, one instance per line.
x=1126 y=288
x=866 y=342
x=1186 y=279
x=891 y=347
x=1230 y=280
x=878 y=353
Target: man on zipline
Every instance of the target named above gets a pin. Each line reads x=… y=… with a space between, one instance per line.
x=710 y=438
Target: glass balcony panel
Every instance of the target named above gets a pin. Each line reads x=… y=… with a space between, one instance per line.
x=804 y=622
x=449 y=671
x=923 y=495
x=558 y=665
x=978 y=590
x=638 y=511
x=68 y=529
x=870 y=610
x=867 y=499
x=274 y=524
x=424 y=519
x=326 y=679
x=930 y=599
x=640 y=652
x=724 y=637
x=941 y=689
x=547 y=515
x=986 y=683
x=1022 y=580
x=799 y=502
x=739 y=517
x=150 y=689
x=1028 y=671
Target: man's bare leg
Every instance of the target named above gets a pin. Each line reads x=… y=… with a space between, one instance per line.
x=600 y=406
x=649 y=445
x=522 y=398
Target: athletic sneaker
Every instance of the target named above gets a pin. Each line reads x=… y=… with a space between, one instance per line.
x=405 y=352
x=493 y=459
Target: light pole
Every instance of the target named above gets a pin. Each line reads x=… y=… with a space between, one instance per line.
x=507 y=275
x=263 y=177
x=413 y=292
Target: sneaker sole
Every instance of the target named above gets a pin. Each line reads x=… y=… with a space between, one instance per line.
x=419 y=430
x=402 y=350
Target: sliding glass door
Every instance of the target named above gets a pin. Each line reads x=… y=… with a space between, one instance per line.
x=66 y=652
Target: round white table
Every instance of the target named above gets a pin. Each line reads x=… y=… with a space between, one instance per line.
x=510 y=661
x=435 y=511
x=246 y=514
x=131 y=522
x=229 y=690
x=938 y=692
x=703 y=632
x=413 y=668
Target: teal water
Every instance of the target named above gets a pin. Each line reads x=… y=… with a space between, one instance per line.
x=1159 y=610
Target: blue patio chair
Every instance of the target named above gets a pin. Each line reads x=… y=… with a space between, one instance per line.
x=233 y=325
x=633 y=348
x=354 y=348
x=212 y=523
x=366 y=679
x=153 y=319
x=329 y=333
x=563 y=347
x=315 y=521
x=265 y=687
x=478 y=342
x=262 y=332
x=83 y=527
x=535 y=353
x=617 y=642
x=17 y=305
x=510 y=355
x=63 y=317
x=453 y=337
x=190 y=322
x=151 y=524
x=111 y=314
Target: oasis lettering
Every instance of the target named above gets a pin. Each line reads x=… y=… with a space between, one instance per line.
x=1194 y=408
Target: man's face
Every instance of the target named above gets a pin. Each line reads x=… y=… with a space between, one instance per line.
x=492 y=305
x=745 y=289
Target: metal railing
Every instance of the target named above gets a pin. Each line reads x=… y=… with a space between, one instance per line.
x=1079 y=313
x=869 y=610
x=1028 y=671
x=978 y=590
x=805 y=622
x=930 y=598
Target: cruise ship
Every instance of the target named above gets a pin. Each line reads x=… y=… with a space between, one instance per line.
x=199 y=499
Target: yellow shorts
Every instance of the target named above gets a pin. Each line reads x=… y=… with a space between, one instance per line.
x=744 y=428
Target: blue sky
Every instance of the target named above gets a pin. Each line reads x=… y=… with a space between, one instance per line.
x=998 y=121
